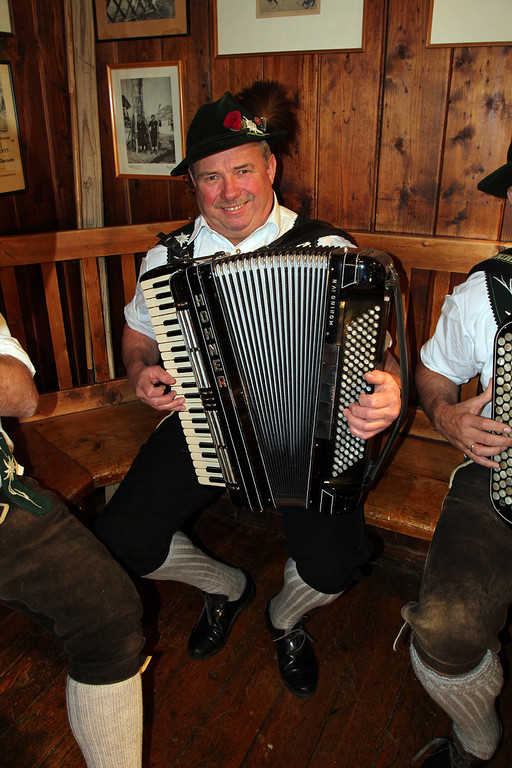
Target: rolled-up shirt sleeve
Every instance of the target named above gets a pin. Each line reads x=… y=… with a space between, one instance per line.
x=11 y=346
x=462 y=344
x=136 y=312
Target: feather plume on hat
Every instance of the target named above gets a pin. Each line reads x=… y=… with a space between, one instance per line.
x=268 y=99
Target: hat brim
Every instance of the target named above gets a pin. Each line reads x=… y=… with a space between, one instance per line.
x=222 y=143
x=497 y=182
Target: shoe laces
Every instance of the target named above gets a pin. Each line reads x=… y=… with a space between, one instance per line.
x=296 y=631
x=458 y=758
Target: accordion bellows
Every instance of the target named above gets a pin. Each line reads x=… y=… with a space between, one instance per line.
x=268 y=349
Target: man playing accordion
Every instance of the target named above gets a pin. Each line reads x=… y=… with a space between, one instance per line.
x=232 y=167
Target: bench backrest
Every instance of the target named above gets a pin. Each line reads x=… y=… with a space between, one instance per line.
x=63 y=295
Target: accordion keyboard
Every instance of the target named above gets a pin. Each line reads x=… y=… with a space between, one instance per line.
x=501 y=479
x=171 y=343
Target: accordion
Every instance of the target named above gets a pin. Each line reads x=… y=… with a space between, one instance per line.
x=501 y=478
x=268 y=348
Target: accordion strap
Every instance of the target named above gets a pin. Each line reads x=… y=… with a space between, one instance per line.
x=178 y=243
x=498 y=279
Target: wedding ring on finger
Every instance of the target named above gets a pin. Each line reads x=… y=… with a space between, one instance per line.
x=471 y=447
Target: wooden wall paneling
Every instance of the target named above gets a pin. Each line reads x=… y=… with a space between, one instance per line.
x=149 y=200
x=478 y=133
x=415 y=91
x=194 y=52
x=298 y=160
x=51 y=29
x=115 y=191
x=81 y=38
x=35 y=208
x=233 y=73
x=9 y=223
x=348 y=127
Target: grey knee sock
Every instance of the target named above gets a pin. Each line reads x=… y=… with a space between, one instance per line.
x=469 y=700
x=295 y=599
x=106 y=721
x=190 y=565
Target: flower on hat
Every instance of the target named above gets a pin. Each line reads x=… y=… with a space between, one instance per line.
x=233 y=121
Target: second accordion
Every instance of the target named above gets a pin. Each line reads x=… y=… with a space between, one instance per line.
x=268 y=349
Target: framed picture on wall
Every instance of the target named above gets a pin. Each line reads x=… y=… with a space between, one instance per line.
x=480 y=22
x=12 y=170
x=6 y=27
x=286 y=26
x=146 y=106
x=119 y=19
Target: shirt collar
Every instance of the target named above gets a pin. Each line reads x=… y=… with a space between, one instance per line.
x=272 y=227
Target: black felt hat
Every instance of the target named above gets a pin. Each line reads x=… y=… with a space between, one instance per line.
x=497 y=182
x=221 y=125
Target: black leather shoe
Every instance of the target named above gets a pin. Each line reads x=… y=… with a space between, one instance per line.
x=295 y=656
x=447 y=753
x=216 y=621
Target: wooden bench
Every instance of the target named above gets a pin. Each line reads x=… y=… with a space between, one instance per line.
x=63 y=295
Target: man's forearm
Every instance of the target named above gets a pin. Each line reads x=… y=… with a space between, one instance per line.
x=435 y=392
x=139 y=351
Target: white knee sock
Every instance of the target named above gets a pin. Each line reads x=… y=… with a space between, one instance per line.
x=295 y=599
x=190 y=565
x=106 y=721
x=469 y=700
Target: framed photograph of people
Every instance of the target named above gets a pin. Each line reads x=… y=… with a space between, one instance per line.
x=287 y=26
x=119 y=19
x=12 y=169
x=146 y=106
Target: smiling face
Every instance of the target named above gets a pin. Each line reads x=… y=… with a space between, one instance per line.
x=234 y=190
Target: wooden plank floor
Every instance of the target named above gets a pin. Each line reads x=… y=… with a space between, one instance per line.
x=233 y=711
